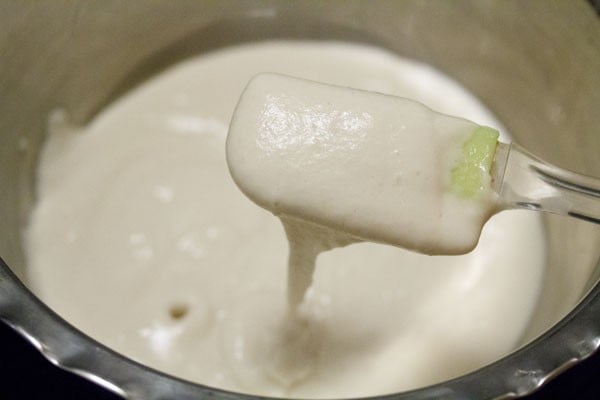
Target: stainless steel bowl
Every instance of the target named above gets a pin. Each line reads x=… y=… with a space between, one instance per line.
x=534 y=63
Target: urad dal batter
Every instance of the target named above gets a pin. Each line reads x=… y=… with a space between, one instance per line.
x=361 y=163
x=141 y=239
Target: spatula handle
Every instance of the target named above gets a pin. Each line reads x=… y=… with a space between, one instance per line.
x=524 y=181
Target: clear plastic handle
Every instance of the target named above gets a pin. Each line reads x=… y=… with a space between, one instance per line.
x=524 y=181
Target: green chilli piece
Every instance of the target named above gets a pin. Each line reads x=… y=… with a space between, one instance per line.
x=471 y=172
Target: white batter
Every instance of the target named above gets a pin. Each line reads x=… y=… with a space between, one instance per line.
x=141 y=239
x=377 y=167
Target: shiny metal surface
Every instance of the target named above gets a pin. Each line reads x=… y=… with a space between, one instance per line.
x=534 y=63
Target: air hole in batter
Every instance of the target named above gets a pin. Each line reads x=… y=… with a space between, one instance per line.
x=178 y=311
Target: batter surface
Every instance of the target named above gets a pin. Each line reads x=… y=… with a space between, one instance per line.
x=141 y=239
